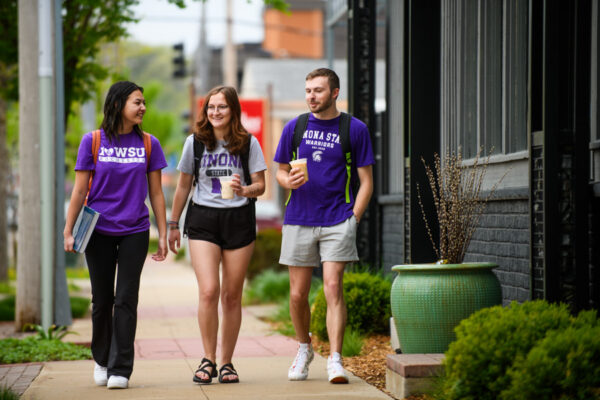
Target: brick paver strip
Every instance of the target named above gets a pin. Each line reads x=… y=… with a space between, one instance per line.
x=18 y=377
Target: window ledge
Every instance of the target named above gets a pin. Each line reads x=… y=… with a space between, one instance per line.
x=498 y=158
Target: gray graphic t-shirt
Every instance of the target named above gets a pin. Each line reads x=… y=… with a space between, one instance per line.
x=215 y=164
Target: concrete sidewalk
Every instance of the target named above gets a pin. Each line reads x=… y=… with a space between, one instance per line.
x=169 y=349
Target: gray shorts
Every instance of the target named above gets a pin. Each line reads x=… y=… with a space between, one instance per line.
x=305 y=246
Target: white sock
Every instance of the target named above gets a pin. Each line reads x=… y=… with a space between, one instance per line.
x=335 y=356
x=304 y=346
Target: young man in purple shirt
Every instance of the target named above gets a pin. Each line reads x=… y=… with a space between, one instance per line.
x=322 y=214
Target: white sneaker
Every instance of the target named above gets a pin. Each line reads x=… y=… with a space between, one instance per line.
x=335 y=370
x=100 y=375
x=299 y=369
x=117 y=382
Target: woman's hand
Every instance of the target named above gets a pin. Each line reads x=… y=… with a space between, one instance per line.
x=162 y=251
x=69 y=241
x=174 y=240
x=236 y=185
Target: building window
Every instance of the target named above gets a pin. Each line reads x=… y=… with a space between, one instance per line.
x=484 y=48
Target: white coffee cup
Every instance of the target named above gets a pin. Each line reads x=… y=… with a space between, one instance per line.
x=226 y=190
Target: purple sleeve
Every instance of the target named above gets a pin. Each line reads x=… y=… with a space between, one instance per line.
x=85 y=159
x=361 y=143
x=284 y=148
x=157 y=157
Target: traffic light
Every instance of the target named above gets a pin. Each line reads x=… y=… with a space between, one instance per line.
x=178 y=61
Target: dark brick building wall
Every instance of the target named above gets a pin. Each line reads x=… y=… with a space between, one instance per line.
x=503 y=238
x=392 y=230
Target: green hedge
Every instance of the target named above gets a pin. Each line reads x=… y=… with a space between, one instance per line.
x=367 y=298
x=524 y=351
x=266 y=253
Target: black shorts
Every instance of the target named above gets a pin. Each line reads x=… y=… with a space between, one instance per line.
x=229 y=228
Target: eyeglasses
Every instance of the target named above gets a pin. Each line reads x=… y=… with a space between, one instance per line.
x=220 y=107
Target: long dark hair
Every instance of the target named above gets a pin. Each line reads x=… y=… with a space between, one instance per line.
x=113 y=107
x=237 y=137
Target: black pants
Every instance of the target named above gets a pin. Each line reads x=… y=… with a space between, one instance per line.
x=114 y=313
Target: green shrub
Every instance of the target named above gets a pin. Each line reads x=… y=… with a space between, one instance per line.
x=7 y=394
x=367 y=298
x=180 y=254
x=32 y=349
x=491 y=341
x=6 y=287
x=78 y=273
x=353 y=343
x=267 y=287
x=266 y=252
x=564 y=365
x=79 y=306
x=7 y=308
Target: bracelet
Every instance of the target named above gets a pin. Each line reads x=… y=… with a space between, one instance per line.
x=173 y=225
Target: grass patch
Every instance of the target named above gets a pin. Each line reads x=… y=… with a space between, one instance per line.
x=268 y=287
x=353 y=343
x=32 y=349
x=7 y=394
x=180 y=254
x=79 y=306
x=77 y=273
x=153 y=245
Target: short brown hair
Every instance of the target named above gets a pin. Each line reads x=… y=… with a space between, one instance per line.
x=332 y=78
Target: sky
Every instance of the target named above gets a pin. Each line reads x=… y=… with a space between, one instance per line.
x=165 y=24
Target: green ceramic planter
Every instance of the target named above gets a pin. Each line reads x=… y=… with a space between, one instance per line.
x=429 y=300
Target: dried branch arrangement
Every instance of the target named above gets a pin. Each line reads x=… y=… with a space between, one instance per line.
x=456 y=193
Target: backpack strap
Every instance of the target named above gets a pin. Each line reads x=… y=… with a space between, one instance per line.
x=344 y=133
x=96 y=137
x=245 y=157
x=148 y=148
x=198 y=151
x=299 y=129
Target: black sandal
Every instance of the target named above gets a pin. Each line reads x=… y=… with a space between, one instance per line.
x=229 y=370
x=206 y=363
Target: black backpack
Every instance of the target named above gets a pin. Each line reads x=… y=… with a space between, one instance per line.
x=344 y=132
x=245 y=156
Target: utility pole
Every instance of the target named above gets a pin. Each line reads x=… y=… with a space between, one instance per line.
x=229 y=58
x=28 y=304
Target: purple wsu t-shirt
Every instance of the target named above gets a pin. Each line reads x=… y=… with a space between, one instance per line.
x=322 y=200
x=120 y=185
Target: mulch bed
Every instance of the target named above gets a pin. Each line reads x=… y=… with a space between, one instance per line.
x=370 y=365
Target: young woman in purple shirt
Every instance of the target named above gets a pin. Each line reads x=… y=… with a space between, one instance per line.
x=123 y=175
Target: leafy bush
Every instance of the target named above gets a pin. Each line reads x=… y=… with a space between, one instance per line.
x=266 y=252
x=367 y=298
x=32 y=349
x=79 y=306
x=7 y=308
x=267 y=287
x=152 y=245
x=493 y=340
x=6 y=287
x=564 y=365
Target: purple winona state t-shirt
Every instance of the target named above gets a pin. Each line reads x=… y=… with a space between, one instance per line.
x=322 y=200
x=120 y=185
